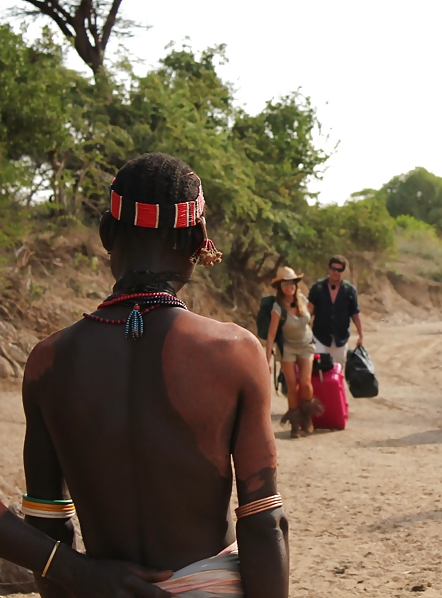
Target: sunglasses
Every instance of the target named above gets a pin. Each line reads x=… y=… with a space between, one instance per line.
x=287 y=283
x=334 y=269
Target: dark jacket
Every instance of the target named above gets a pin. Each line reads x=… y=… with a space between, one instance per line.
x=333 y=319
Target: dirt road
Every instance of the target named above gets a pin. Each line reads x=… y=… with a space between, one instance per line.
x=365 y=504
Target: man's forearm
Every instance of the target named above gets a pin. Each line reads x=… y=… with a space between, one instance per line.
x=264 y=554
x=358 y=324
x=58 y=530
x=27 y=547
x=21 y=544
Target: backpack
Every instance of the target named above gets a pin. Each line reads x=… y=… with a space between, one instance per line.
x=263 y=321
x=323 y=362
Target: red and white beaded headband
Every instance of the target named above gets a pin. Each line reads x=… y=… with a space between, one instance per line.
x=180 y=215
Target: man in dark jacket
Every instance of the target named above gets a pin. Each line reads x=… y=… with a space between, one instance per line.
x=334 y=303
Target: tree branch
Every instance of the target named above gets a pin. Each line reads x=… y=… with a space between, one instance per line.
x=50 y=10
x=110 y=22
x=87 y=24
x=93 y=29
x=55 y=6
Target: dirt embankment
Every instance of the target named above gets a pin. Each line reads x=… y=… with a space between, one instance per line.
x=52 y=279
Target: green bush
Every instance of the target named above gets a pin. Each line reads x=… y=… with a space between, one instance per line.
x=411 y=225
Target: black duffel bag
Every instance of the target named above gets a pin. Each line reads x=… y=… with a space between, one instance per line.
x=360 y=374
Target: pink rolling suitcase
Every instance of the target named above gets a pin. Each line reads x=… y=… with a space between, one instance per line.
x=331 y=392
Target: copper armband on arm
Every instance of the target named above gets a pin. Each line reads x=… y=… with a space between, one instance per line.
x=258 y=506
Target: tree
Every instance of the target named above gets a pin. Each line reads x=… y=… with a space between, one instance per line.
x=254 y=168
x=417 y=193
x=87 y=24
x=357 y=227
x=33 y=108
x=283 y=157
x=57 y=130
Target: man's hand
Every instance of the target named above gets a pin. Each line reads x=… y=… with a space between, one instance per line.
x=360 y=341
x=90 y=578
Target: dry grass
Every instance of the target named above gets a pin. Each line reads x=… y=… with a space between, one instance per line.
x=419 y=253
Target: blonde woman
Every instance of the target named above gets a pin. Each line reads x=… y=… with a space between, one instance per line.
x=298 y=349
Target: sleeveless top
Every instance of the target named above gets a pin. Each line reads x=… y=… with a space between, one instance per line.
x=296 y=330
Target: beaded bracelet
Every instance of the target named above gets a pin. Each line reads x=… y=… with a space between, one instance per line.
x=47 y=509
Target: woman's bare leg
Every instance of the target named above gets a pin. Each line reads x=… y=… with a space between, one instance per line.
x=309 y=406
x=305 y=367
x=293 y=415
x=288 y=369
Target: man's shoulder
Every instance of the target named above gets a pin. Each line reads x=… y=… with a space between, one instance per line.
x=319 y=284
x=208 y=330
x=349 y=287
x=42 y=356
x=194 y=330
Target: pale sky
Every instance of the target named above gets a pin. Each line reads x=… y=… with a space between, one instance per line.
x=372 y=69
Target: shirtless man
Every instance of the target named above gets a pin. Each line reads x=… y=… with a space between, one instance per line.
x=81 y=575
x=142 y=428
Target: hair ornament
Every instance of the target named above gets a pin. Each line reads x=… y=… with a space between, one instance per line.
x=207 y=255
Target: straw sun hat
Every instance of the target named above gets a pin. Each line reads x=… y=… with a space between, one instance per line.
x=286 y=273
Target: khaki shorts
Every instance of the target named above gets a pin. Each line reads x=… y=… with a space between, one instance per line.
x=292 y=355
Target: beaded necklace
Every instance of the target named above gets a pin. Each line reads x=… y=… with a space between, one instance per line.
x=142 y=304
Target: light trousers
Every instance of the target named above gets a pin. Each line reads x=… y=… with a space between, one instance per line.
x=339 y=354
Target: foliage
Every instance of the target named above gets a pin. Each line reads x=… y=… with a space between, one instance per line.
x=417 y=193
x=14 y=223
x=254 y=169
x=410 y=225
x=357 y=227
x=70 y=135
x=56 y=128
x=32 y=107
x=419 y=246
x=278 y=144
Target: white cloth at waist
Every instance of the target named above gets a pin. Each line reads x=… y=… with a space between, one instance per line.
x=215 y=577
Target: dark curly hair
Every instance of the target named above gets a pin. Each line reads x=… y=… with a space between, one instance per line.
x=157 y=178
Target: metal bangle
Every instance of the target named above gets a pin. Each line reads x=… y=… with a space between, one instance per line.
x=51 y=558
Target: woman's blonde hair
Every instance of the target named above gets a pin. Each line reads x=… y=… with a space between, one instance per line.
x=297 y=299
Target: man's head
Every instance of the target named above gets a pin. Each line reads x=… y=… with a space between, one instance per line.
x=336 y=268
x=159 y=180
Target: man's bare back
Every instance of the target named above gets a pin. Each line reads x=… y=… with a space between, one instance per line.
x=144 y=431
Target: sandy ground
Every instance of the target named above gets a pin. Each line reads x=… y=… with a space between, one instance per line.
x=365 y=504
